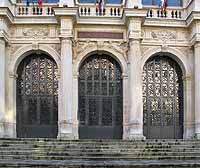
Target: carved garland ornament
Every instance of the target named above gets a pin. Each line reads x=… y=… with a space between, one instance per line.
x=80 y=45
x=164 y=36
x=35 y=33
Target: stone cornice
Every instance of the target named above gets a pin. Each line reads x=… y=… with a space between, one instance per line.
x=164 y=22
x=195 y=38
x=134 y=13
x=139 y=13
x=66 y=11
x=4 y=35
x=194 y=15
x=100 y=21
x=5 y=11
x=35 y=20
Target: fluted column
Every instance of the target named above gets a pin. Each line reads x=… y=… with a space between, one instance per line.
x=2 y=86
x=197 y=89
x=65 y=94
x=135 y=94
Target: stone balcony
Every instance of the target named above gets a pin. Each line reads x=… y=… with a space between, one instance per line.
x=170 y=13
x=93 y=11
x=33 y=10
x=110 y=11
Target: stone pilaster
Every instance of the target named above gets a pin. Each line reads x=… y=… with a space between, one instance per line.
x=135 y=92
x=188 y=131
x=135 y=126
x=197 y=88
x=125 y=106
x=65 y=98
x=2 y=86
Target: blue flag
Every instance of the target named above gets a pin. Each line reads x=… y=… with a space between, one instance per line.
x=160 y=3
x=27 y=3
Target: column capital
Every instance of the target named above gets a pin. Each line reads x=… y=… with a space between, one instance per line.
x=187 y=78
x=134 y=40
x=124 y=76
x=66 y=40
x=2 y=41
x=13 y=75
x=197 y=44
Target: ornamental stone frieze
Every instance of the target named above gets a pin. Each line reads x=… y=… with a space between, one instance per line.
x=172 y=36
x=36 y=33
x=164 y=35
x=81 y=45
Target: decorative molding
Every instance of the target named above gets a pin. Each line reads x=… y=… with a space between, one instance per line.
x=80 y=45
x=56 y=47
x=14 y=48
x=12 y=75
x=164 y=36
x=35 y=46
x=35 y=33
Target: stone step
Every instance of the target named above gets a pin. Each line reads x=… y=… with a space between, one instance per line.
x=93 y=157
x=11 y=149
x=102 y=153
x=99 y=164
x=57 y=141
x=98 y=144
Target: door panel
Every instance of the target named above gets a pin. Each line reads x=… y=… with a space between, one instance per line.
x=37 y=97
x=100 y=98
x=162 y=98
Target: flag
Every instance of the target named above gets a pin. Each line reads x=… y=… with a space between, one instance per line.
x=40 y=3
x=101 y=5
x=165 y=5
x=162 y=4
x=33 y=2
x=27 y=3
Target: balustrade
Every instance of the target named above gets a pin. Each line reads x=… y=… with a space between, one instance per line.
x=95 y=11
x=22 y=10
x=169 y=13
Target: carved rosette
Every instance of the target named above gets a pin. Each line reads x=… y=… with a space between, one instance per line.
x=81 y=45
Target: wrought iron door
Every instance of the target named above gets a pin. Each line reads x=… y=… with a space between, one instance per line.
x=37 y=97
x=162 y=98
x=100 y=98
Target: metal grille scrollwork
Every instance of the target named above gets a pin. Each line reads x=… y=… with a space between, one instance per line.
x=162 y=98
x=100 y=98
x=37 y=97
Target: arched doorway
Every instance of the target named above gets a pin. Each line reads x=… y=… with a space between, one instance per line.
x=162 y=98
x=100 y=98
x=37 y=97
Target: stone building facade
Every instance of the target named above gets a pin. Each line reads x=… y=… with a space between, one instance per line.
x=130 y=71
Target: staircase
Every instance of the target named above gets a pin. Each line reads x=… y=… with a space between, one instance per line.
x=54 y=153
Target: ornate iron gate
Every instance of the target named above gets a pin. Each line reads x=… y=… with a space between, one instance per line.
x=37 y=97
x=100 y=98
x=162 y=98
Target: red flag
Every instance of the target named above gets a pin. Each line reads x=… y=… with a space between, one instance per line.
x=40 y=3
x=99 y=5
x=165 y=5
